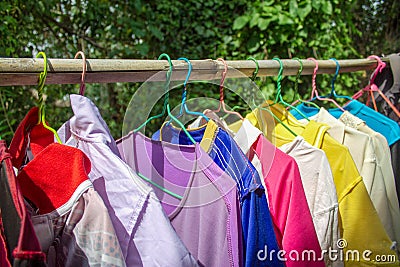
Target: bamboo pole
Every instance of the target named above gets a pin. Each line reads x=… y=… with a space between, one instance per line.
x=25 y=71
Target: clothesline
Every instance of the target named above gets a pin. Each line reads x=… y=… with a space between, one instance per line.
x=25 y=71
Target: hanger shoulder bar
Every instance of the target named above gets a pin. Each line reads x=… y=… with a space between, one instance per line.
x=25 y=71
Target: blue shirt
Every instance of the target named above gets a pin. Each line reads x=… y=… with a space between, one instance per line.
x=375 y=120
x=258 y=231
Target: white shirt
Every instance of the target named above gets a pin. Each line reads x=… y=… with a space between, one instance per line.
x=385 y=173
x=362 y=150
x=320 y=190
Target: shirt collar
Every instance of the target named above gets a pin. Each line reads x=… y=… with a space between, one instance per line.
x=297 y=143
x=314 y=133
x=247 y=136
x=87 y=124
x=337 y=128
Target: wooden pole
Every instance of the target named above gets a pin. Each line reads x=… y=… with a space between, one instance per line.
x=25 y=71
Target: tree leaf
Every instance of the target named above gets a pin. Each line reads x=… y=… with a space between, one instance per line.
x=263 y=24
x=327 y=7
x=254 y=20
x=240 y=22
x=293 y=6
x=284 y=19
x=303 y=12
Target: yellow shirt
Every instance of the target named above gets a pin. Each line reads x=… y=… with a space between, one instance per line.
x=359 y=223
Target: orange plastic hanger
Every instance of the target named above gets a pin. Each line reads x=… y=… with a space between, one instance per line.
x=83 y=86
x=221 y=93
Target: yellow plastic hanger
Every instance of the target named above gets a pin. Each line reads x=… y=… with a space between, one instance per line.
x=42 y=116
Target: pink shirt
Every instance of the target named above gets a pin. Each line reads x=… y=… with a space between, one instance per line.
x=290 y=213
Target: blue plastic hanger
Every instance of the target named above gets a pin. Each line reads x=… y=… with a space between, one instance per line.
x=166 y=106
x=333 y=92
x=184 y=95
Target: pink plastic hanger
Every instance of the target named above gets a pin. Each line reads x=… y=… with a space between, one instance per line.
x=372 y=87
x=314 y=92
x=221 y=93
x=83 y=86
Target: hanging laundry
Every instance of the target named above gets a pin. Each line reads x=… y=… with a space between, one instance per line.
x=388 y=81
x=376 y=121
x=144 y=232
x=382 y=152
x=70 y=220
x=362 y=150
x=359 y=222
x=257 y=226
x=206 y=215
x=285 y=192
x=18 y=238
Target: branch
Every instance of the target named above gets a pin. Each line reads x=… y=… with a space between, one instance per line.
x=69 y=30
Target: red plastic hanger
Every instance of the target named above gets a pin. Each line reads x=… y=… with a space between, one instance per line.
x=372 y=87
x=314 y=92
x=221 y=93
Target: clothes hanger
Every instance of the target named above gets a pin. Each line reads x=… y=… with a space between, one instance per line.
x=296 y=88
x=83 y=86
x=314 y=87
x=41 y=105
x=184 y=107
x=166 y=106
x=267 y=109
x=221 y=93
x=279 y=98
x=333 y=92
x=372 y=87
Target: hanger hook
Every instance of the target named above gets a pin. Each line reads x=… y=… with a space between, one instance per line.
x=83 y=86
x=278 y=82
x=184 y=93
x=296 y=85
x=378 y=69
x=42 y=79
x=314 y=78
x=255 y=73
x=221 y=85
x=333 y=93
x=169 y=72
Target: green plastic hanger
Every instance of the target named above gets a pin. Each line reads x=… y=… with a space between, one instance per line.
x=166 y=106
x=267 y=109
x=279 y=98
x=160 y=187
x=296 y=88
x=42 y=114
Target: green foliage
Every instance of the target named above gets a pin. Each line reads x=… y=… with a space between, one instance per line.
x=194 y=29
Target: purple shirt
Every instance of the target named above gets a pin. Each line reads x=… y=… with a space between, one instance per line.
x=206 y=217
x=144 y=232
